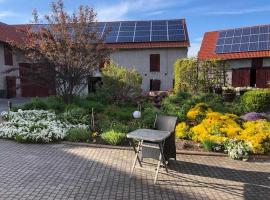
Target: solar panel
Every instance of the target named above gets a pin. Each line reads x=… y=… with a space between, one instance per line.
x=255 y=38
x=142 y=39
x=125 y=39
x=145 y=31
x=176 y=37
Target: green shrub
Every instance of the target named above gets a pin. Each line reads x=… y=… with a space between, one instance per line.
x=236 y=107
x=119 y=113
x=69 y=107
x=194 y=76
x=56 y=103
x=98 y=96
x=35 y=104
x=120 y=83
x=76 y=115
x=21 y=139
x=256 y=101
x=180 y=103
x=113 y=137
x=212 y=146
x=88 y=105
x=78 y=135
x=149 y=113
x=215 y=101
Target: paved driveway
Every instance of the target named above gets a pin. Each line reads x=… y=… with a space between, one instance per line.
x=60 y=171
x=15 y=102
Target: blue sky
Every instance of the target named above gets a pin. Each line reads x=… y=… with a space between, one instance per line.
x=201 y=15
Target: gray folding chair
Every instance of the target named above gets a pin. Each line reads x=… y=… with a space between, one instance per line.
x=161 y=151
x=150 y=149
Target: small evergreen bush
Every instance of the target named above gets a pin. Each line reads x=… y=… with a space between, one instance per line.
x=35 y=104
x=113 y=137
x=256 y=101
x=78 y=135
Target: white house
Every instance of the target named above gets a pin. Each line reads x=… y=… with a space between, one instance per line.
x=246 y=50
x=152 y=47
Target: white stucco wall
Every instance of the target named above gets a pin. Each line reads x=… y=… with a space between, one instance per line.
x=239 y=63
x=4 y=68
x=266 y=62
x=244 y=63
x=140 y=59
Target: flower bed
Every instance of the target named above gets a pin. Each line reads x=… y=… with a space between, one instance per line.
x=37 y=126
x=218 y=131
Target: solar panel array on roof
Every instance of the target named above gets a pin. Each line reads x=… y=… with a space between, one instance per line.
x=255 y=38
x=143 y=31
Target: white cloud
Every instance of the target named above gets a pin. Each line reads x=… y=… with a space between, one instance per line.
x=240 y=11
x=158 y=12
x=4 y=14
x=195 y=46
x=115 y=12
x=122 y=8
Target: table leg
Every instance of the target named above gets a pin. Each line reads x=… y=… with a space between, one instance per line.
x=136 y=150
x=136 y=156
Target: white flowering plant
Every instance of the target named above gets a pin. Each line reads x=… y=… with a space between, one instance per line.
x=238 y=149
x=37 y=126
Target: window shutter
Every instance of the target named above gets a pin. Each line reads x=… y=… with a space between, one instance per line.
x=8 y=55
x=154 y=63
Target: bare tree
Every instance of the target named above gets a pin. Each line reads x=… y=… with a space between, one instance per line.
x=69 y=44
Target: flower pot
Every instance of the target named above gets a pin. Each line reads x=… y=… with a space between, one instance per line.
x=241 y=92
x=218 y=90
x=229 y=97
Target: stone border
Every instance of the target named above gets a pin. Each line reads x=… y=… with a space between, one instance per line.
x=180 y=152
x=97 y=145
x=201 y=153
x=183 y=152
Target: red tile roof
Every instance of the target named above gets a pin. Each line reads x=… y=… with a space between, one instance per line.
x=9 y=33
x=208 y=46
x=147 y=45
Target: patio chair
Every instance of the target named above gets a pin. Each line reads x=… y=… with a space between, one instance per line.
x=151 y=150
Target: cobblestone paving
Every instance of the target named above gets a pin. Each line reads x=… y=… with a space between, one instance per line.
x=61 y=171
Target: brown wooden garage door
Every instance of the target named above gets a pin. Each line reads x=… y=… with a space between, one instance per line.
x=30 y=84
x=241 y=77
x=262 y=77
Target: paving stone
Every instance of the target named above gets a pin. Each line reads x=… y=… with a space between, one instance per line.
x=61 y=171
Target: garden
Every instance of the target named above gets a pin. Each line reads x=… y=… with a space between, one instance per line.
x=238 y=126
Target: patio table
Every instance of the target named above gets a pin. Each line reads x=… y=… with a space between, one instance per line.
x=154 y=136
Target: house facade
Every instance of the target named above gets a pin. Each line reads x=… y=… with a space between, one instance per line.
x=246 y=51
x=9 y=82
x=152 y=47
x=154 y=64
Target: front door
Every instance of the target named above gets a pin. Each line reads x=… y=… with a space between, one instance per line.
x=11 y=86
x=154 y=85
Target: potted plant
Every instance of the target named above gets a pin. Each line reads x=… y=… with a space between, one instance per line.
x=228 y=94
x=217 y=89
x=241 y=90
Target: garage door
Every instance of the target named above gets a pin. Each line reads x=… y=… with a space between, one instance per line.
x=262 y=77
x=31 y=82
x=241 y=77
